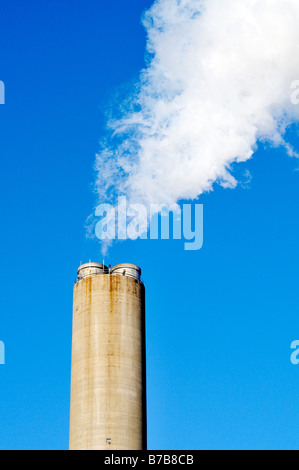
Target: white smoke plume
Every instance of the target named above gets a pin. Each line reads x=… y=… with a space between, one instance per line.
x=217 y=82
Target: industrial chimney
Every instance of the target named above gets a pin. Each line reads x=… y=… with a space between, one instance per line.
x=108 y=390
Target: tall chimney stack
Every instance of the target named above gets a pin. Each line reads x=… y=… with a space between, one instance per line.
x=108 y=388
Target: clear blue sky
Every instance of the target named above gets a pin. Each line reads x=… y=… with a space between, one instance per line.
x=220 y=321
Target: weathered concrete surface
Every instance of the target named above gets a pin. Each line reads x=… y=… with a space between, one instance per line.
x=108 y=365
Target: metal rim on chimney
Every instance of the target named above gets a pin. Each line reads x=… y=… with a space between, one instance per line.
x=91 y=269
x=126 y=269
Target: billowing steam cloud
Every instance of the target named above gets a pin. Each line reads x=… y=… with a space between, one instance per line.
x=218 y=80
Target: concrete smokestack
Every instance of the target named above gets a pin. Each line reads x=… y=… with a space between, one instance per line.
x=108 y=390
